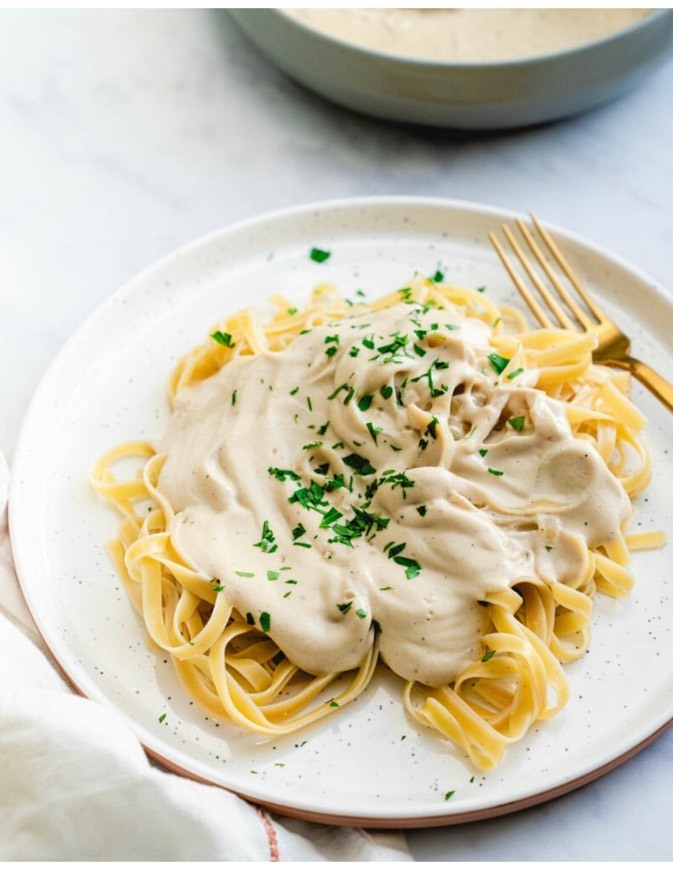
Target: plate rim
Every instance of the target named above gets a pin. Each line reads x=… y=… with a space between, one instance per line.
x=385 y=820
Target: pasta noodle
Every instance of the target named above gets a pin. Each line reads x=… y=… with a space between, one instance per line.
x=514 y=677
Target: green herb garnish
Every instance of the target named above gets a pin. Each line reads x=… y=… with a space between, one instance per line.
x=283 y=474
x=223 y=338
x=498 y=363
x=359 y=464
x=319 y=256
x=298 y=531
x=267 y=544
x=330 y=517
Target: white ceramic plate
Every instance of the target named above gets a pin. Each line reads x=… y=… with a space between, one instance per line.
x=369 y=764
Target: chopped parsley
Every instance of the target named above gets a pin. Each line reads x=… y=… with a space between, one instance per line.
x=374 y=431
x=432 y=427
x=223 y=338
x=398 y=343
x=333 y=341
x=312 y=445
x=283 y=474
x=330 y=517
x=359 y=464
x=498 y=363
x=268 y=542
x=265 y=622
x=435 y=392
x=517 y=423
x=309 y=497
x=319 y=256
x=362 y=524
x=337 y=391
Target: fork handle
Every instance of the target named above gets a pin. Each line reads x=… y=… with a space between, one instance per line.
x=657 y=385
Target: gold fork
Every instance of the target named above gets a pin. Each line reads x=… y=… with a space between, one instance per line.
x=613 y=345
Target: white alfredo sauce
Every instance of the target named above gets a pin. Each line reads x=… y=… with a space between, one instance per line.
x=469 y=35
x=368 y=473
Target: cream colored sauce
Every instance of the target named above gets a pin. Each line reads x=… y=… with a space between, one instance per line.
x=469 y=35
x=480 y=532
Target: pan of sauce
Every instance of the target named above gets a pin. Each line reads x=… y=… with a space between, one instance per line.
x=464 y=68
x=469 y=35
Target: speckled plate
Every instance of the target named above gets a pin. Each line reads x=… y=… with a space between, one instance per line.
x=368 y=764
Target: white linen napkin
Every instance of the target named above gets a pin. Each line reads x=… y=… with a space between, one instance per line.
x=76 y=784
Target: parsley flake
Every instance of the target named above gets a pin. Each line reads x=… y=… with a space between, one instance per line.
x=359 y=464
x=223 y=338
x=267 y=544
x=319 y=256
x=498 y=363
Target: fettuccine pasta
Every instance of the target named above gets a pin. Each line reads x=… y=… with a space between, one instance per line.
x=419 y=482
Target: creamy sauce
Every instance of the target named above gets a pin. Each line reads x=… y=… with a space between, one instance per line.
x=469 y=35
x=479 y=504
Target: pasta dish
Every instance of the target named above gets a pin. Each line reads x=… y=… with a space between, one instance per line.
x=419 y=482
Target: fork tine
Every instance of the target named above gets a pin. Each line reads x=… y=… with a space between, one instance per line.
x=570 y=275
x=528 y=298
x=560 y=315
x=581 y=317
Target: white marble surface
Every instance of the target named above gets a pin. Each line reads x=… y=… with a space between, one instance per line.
x=124 y=134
